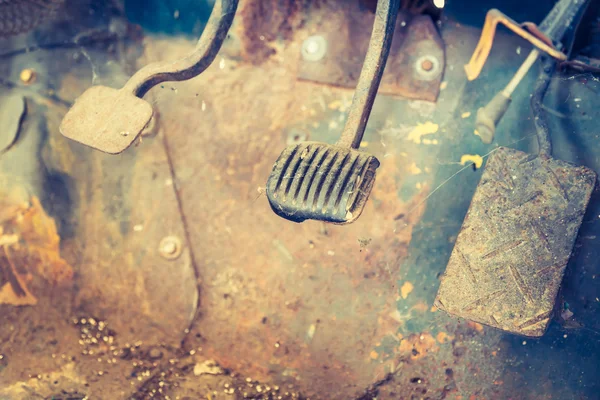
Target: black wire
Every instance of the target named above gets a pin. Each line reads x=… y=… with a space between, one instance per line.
x=95 y=38
x=51 y=97
x=537 y=100
x=548 y=66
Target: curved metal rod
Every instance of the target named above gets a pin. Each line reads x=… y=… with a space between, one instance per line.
x=206 y=50
x=492 y=19
x=370 y=75
x=537 y=101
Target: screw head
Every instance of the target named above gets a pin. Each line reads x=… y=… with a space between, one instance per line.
x=27 y=76
x=170 y=247
x=314 y=48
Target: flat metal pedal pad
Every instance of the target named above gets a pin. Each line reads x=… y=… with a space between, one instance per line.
x=106 y=119
x=510 y=255
x=320 y=181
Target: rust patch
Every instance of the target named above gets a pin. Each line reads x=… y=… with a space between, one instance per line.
x=418 y=345
x=29 y=254
x=264 y=21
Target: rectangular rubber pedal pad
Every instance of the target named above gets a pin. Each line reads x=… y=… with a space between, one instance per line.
x=320 y=181
x=510 y=256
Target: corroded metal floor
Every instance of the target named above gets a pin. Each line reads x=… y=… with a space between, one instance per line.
x=256 y=306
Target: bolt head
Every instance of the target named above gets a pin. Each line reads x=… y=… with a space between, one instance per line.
x=427 y=65
x=27 y=76
x=170 y=247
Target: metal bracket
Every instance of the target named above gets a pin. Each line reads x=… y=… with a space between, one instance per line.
x=335 y=53
x=492 y=19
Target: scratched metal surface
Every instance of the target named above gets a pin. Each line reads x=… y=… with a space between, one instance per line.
x=515 y=242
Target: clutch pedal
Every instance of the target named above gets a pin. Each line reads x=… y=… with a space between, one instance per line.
x=110 y=119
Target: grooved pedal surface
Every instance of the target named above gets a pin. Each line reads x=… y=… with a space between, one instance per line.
x=510 y=255
x=319 y=181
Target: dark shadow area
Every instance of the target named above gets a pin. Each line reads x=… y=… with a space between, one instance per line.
x=58 y=201
x=473 y=12
x=568 y=354
x=172 y=17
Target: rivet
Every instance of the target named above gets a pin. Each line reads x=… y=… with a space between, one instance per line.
x=27 y=76
x=170 y=247
x=314 y=48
